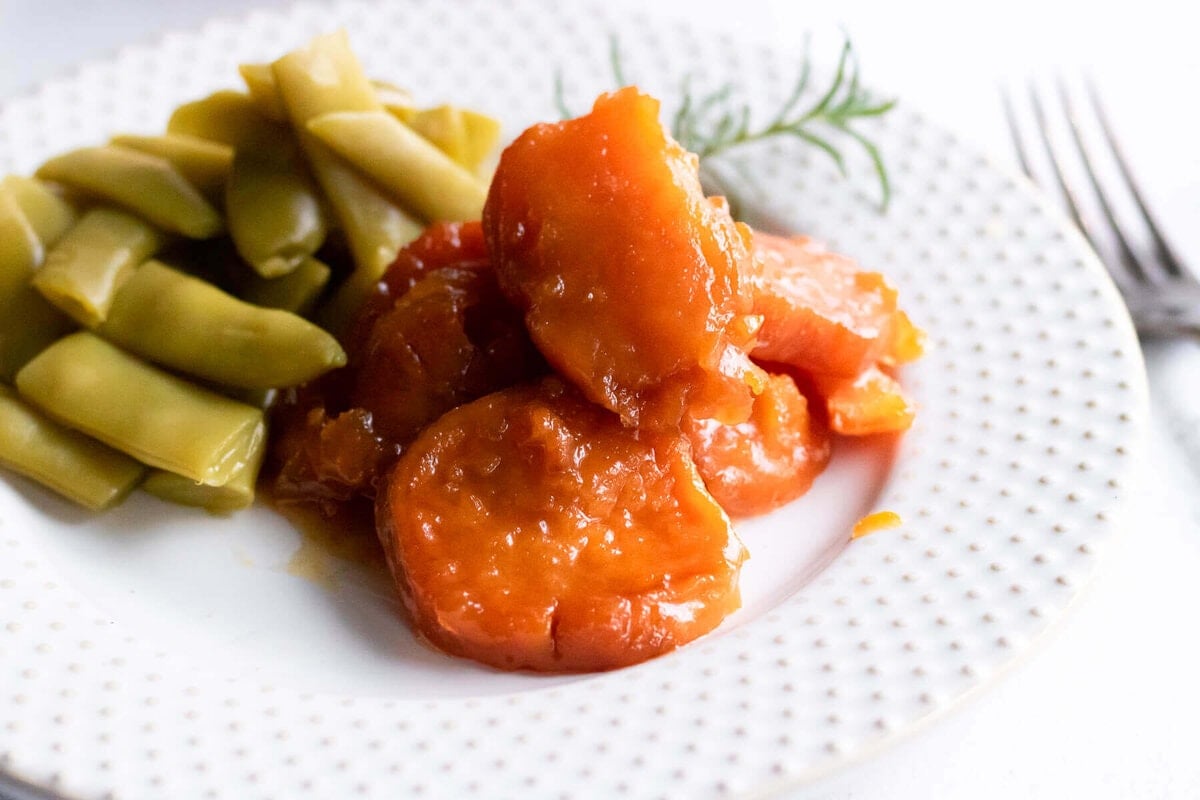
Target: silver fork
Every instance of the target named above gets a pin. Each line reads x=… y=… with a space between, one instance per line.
x=1162 y=294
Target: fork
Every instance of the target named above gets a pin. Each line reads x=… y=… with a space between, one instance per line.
x=1162 y=294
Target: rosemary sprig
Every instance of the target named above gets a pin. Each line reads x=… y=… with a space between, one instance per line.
x=713 y=124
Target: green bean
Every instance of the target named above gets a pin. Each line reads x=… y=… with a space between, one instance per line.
x=27 y=322
x=158 y=418
x=375 y=227
x=236 y=494
x=205 y=164
x=327 y=77
x=184 y=323
x=21 y=250
x=227 y=117
x=275 y=216
x=49 y=214
x=275 y=213
x=77 y=467
x=468 y=137
x=394 y=99
x=260 y=82
x=482 y=135
x=296 y=292
x=146 y=184
x=86 y=268
x=402 y=161
x=444 y=127
x=259 y=398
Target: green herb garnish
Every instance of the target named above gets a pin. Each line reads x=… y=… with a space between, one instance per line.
x=713 y=124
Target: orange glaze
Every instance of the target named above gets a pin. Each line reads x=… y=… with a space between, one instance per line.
x=628 y=275
x=531 y=530
x=771 y=459
x=878 y=521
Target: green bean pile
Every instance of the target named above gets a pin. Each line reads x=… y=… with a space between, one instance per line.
x=156 y=290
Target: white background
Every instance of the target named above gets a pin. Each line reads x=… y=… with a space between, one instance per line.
x=1107 y=705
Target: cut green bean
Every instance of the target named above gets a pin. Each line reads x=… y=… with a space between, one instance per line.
x=143 y=183
x=21 y=250
x=184 y=323
x=296 y=292
x=49 y=214
x=75 y=466
x=274 y=211
x=322 y=77
x=444 y=127
x=404 y=163
x=27 y=322
x=325 y=77
x=236 y=494
x=158 y=418
x=227 y=117
x=264 y=90
x=394 y=99
x=84 y=270
x=260 y=82
x=375 y=227
x=205 y=164
x=482 y=134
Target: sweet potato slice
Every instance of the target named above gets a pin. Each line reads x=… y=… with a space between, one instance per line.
x=822 y=312
x=771 y=459
x=442 y=244
x=628 y=275
x=449 y=339
x=531 y=530
x=437 y=333
x=871 y=402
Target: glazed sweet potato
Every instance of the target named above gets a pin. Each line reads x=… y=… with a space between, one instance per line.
x=437 y=333
x=531 y=530
x=822 y=313
x=870 y=402
x=449 y=339
x=628 y=275
x=443 y=244
x=770 y=459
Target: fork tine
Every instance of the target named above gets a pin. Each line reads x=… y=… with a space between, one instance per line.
x=1128 y=258
x=1170 y=261
x=1060 y=177
x=1014 y=131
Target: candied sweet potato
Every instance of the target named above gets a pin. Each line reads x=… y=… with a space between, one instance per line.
x=437 y=333
x=442 y=244
x=771 y=459
x=822 y=312
x=530 y=529
x=322 y=459
x=451 y=338
x=628 y=275
x=870 y=402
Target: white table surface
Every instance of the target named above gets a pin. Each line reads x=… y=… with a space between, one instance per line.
x=1107 y=705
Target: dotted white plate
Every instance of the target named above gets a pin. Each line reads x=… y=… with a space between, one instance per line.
x=153 y=652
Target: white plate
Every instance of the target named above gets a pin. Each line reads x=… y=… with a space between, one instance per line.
x=156 y=652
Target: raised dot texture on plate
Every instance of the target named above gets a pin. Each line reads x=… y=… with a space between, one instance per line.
x=1032 y=408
